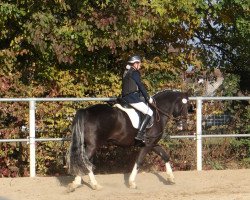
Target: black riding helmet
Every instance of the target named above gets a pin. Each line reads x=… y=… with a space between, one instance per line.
x=134 y=59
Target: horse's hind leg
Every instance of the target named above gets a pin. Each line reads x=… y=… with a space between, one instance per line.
x=75 y=184
x=95 y=185
x=90 y=150
x=161 y=152
x=78 y=182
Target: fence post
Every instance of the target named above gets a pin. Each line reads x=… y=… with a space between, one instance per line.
x=199 y=133
x=32 y=127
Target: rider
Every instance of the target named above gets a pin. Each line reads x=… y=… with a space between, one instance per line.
x=133 y=90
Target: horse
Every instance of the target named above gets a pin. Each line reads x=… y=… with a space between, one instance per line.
x=102 y=124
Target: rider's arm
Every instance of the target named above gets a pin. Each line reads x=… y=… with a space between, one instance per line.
x=137 y=78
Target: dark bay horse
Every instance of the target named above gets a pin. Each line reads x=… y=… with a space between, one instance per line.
x=100 y=124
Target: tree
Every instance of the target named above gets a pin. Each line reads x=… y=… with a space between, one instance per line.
x=72 y=48
x=224 y=37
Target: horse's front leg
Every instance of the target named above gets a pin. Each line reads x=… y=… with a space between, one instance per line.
x=161 y=152
x=137 y=166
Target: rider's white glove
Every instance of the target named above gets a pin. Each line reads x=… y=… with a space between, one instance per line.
x=150 y=100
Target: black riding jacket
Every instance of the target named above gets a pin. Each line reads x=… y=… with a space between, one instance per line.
x=132 y=87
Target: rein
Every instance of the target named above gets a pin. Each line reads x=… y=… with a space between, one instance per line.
x=162 y=112
x=157 y=112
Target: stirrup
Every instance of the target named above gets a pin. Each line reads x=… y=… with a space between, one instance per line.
x=140 y=138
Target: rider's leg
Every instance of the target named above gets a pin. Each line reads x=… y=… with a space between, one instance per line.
x=142 y=128
x=142 y=107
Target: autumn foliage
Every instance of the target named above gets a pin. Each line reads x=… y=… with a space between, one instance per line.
x=71 y=48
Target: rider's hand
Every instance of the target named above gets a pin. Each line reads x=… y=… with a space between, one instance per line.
x=150 y=100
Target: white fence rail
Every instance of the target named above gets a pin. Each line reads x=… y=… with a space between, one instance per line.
x=32 y=131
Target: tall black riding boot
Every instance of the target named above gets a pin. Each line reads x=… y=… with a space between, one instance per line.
x=141 y=131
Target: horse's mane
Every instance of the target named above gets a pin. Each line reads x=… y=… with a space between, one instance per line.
x=165 y=91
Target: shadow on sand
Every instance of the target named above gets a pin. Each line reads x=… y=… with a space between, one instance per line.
x=159 y=176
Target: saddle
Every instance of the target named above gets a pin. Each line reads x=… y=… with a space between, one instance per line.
x=134 y=115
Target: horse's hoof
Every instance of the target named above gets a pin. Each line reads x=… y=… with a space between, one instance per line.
x=171 y=180
x=72 y=187
x=132 y=185
x=97 y=187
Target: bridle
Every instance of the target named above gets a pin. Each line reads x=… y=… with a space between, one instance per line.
x=158 y=110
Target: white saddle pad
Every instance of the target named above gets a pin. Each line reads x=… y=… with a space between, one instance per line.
x=132 y=114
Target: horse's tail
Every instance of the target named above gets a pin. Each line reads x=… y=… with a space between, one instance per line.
x=78 y=162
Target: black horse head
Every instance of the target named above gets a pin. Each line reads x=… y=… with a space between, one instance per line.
x=175 y=105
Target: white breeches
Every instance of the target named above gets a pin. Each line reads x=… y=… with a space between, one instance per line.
x=142 y=107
